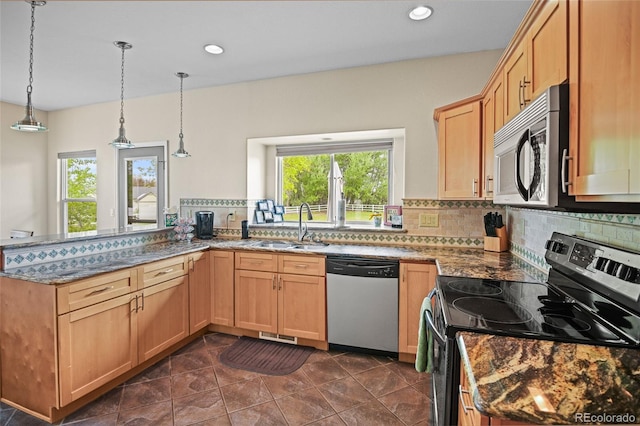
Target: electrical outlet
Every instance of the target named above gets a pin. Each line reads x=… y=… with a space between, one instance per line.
x=428 y=220
x=232 y=216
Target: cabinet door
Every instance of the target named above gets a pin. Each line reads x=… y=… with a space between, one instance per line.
x=459 y=148
x=547 y=48
x=96 y=344
x=256 y=301
x=416 y=281
x=199 y=291
x=515 y=81
x=467 y=413
x=163 y=316
x=605 y=88
x=488 y=130
x=302 y=306
x=222 y=301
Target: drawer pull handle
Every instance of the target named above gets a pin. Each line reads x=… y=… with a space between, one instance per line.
x=255 y=262
x=465 y=407
x=164 y=272
x=102 y=290
x=302 y=266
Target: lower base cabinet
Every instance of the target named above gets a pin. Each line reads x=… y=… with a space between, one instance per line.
x=269 y=299
x=88 y=334
x=416 y=281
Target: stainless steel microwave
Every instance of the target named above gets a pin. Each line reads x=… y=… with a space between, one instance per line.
x=531 y=153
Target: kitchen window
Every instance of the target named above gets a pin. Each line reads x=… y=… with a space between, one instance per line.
x=78 y=201
x=320 y=174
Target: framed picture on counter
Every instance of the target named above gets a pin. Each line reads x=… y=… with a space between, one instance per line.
x=259 y=216
x=270 y=205
x=389 y=212
x=262 y=205
x=277 y=218
x=268 y=217
x=279 y=209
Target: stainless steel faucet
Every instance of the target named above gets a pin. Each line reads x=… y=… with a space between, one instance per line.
x=302 y=227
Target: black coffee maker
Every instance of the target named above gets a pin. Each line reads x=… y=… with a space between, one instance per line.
x=204 y=225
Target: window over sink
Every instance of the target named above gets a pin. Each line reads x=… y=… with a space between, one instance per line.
x=367 y=168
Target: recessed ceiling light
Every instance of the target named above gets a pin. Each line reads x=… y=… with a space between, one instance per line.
x=214 y=49
x=420 y=12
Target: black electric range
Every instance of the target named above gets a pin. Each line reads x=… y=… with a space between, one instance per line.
x=592 y=296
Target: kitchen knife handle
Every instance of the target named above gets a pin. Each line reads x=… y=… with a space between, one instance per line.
x=563 y=171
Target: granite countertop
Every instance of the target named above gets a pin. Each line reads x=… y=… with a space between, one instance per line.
x=545 y=382
x=467 y=262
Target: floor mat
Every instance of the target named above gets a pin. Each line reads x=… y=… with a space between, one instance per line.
x=265 y=356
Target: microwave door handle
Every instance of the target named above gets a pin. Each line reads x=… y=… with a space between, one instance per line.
x=524 y=193
x=537 y=169
x=430 y=323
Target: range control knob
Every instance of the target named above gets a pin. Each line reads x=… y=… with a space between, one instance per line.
x=555 y=246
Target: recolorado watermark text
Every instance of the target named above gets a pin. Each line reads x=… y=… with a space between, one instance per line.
x=588 y=418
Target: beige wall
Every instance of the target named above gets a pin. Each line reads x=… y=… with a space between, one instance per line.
x=219 y=120
x=23 y=174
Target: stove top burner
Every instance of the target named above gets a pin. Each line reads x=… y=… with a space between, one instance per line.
x=473 y=287
x=493 y=310
x=563 y=322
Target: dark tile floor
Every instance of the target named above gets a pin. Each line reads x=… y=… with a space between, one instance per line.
x=192 y=387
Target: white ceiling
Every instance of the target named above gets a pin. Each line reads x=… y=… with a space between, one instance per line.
x=76 y=63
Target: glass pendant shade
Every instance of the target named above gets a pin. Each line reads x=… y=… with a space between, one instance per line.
x=121 y=141
x=181 y=152
x=29 y=122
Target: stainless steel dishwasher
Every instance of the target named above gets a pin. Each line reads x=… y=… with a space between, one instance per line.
x=362 y=304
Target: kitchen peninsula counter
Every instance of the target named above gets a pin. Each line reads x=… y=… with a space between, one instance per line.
x=545 y=382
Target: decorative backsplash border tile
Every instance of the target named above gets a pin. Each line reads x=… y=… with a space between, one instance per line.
x=212 y=202
x=94 y=248
x=424 y=203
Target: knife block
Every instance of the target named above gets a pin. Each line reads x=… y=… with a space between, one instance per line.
x=499 y=243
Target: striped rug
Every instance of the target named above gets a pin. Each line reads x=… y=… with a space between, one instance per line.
x=265 y=356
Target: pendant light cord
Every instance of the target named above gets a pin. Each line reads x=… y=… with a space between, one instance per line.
x=122 y=86
x=33 y=28
x=181 y=80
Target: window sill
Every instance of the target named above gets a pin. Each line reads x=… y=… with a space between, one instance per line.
x=324 y=227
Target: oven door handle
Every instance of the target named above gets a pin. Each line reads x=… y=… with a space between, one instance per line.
x=429 y=317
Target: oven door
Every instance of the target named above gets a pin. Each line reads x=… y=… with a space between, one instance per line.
x=446 y=370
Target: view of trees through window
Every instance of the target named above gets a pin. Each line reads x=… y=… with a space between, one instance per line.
x=362 y=177
x=79 y=199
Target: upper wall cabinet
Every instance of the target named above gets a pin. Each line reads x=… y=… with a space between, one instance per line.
x=605 y=100
x=459 y=150
x=492 y=120
x=538 y=59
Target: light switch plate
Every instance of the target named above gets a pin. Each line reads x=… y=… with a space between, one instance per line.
x=428 y=220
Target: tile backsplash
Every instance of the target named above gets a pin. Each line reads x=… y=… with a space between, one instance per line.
x=529 y=230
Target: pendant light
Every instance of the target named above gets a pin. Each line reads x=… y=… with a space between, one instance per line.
x=121 y=141
x=181 y=153
x=29 y=122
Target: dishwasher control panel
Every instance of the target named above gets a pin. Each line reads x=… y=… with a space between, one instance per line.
x=363 y=267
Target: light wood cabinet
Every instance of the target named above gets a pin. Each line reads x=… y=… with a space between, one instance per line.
x=274 y=300
x=459 y=150
x=199 y=291
x=222 y=291
x=605 y=100
x=539 y=59
x=492 y=121
x=96 y=345
x=163 y=316
x=81 y=338
x=416 y=280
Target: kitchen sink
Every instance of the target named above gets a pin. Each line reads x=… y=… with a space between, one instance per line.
x=289 y=245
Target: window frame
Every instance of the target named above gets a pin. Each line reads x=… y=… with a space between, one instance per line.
x=63 y=158
x=333 y=148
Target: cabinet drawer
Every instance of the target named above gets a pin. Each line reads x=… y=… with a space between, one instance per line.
x=163 y=270
x=302 y=265
x=95 y=290
x=257 y=261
